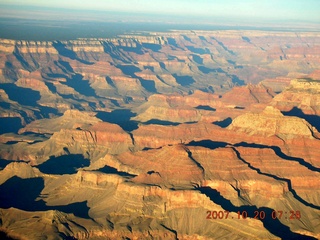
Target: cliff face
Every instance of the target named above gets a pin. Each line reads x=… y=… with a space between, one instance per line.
x=149 y=137
x=272 y=122
x=105 y=73
x=302 y=94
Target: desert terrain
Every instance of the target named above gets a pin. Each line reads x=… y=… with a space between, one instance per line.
x=161 y=135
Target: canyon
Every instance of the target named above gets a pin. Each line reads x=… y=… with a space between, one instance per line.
x=147 y=135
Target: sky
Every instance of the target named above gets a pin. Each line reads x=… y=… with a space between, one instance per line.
x=250 y=10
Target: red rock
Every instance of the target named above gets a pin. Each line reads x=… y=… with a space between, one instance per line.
x=153 y=190
x=71 y=119
x=272 y=122
x=250 y=94
x=303 y=94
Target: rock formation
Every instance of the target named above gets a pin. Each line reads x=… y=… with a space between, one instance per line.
x=173 y=135
x=303 y=94
x=272 y=122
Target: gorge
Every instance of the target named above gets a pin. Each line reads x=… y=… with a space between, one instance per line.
x=140 y=135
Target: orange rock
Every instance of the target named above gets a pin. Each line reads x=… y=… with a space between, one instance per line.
x=303 y=94
x=272 y=122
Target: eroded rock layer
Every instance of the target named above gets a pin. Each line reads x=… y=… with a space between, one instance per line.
x=161 y=136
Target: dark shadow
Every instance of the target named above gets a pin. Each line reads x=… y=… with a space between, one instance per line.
x=137 y=49
x=149 y=68
x=46 y=112
x=79 y=209
x=161 y=122
x=12 y=142
x=246 y=39
x=114 y=52
x=81 y=86
x=173 y=42
x=208 y=89
x=171 y=230
x=10 y=124
x=190 y=156
x=193 y=122
x=111 y=170
x=51 y=87
x=206 y=70
x=238 y=67
x=274 y=226
x=4 y=163
x=200 y=51
x=22 y=194
x=280 y=154
x=314 y=120
x=237 y=81
x=66 y=164
x=172 y=58
x=149 y=148
x=187 y=38
x=93 y=105
x=5 y=105
x=224 y=123
x=205 y=40
x=24 y=96
x=197 y=59
x=9 y=71
x=239 y=107
x=70 y=96
x=110 y=82
x=65 y=66
x=64 y=51
x=152 y=46
x=129 y=70
x=33 y=134
x=288 y=181
x=65 y=237
x=4 y=236
x=162 y=65
x=21 y=59
x=56 y=75
x=205 y=107
x=34 y=142
x=149 y=85
x=126 y=99
x=223 y=46
x=120 y=117
x=184 y=81
x=77 y=106
x=208 y=144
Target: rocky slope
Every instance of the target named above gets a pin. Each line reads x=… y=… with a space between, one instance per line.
x=161 y=136
x=98 y=74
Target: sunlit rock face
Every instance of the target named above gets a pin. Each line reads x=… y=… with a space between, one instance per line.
x=272 y=122
x=302 y=94
x=161 y=135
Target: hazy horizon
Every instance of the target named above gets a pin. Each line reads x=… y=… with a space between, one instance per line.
x=39 y=20
x=245 y=11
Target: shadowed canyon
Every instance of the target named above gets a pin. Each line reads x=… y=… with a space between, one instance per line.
x=161 y=135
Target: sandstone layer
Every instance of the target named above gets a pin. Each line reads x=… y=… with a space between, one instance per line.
x=176 y=135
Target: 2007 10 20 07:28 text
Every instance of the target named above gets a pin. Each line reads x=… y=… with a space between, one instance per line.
x=256 y=215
